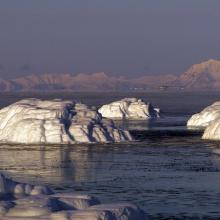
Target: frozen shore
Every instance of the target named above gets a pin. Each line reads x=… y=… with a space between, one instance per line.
x=20 y=201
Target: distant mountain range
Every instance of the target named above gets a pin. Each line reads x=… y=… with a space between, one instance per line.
x=203 y=76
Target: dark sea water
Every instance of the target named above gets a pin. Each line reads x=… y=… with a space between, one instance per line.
x=169 y=171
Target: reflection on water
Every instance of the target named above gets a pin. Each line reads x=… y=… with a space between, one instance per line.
x=162 y=123
x=50 y=164
x=167 y=176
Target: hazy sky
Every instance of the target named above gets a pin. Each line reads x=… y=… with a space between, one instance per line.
x=132 y=37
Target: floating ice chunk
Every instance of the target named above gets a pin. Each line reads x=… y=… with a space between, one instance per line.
x=212 y=131
x=33 y=121
x=75 y=201
x=129 y=108
x=205 y=117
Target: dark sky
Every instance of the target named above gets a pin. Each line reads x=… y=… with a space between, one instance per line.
x=133 y=37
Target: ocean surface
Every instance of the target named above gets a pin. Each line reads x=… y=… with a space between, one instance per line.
x=168 y=171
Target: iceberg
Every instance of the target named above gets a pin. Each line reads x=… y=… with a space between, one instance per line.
x=212 y=131
x=129 y=108
x=35 y=121
x=205 y=117
x=209 y=119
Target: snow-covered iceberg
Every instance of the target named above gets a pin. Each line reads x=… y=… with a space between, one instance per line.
x=129 y=108
x=212 y=131
x=208 y=118
x=31 y=202
x=205 y=117
x=34 y=121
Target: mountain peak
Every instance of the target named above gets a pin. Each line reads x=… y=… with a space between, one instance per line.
x=205 y=75
x=212 y=61
x=205 y=64
x=209 y=66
